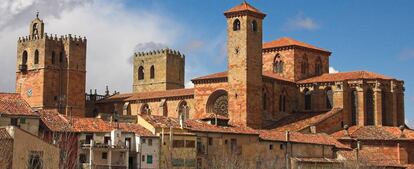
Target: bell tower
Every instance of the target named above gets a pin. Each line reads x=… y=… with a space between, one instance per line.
x=244 y=52
x=51 y=70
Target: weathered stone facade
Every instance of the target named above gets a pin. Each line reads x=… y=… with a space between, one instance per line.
x=158 y=70
x=51 y=70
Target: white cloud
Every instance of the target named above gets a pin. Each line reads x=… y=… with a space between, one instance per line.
x=333 y=70
x=301 y=22
x=189 y=84
x=407 y=54
x=113 y=33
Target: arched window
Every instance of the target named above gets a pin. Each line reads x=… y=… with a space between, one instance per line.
x=354 y=107
x=277 y=64
x=35 y=30
x=282 y=101
x=329 y=98
x=183 y=110
x=305 y=65
x=308 y=99
x=385 y=118
x=36 y=57
x=145 y=109
x=24 y=58
x=236 y=25
x=369 y=107
x=53 y=57
x=318 y=67
x=140 y=73
x=254 y=26
x=217 y=103
x=152 y=72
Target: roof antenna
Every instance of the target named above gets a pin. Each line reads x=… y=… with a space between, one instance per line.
x=37 y=14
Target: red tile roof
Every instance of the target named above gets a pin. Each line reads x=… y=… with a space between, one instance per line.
x=4 y=135
x=374 y=133
x=285 y=42
x=371 y=157
x=200 y=126
x=117 y=97
x=92 y=125
x=298 y=121
x=244 y=7
x=162 y=121
x=320 y=138
x=161 y=94
x=135 y=128
x=14 y=104
x=342 y=76
x=220 y=75
x=54 y=121
x=213 y=116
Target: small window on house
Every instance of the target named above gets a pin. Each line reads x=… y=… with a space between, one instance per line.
x=281 y=146
x=14 y=122
x=88 y=138
x=61 y=57
x=152 y=72
x=150 y=142
x=82 y=158
x=35 y=160
x=210 y=141
x=308 y=99
x=107 y=140
x=36 y=57
x=236 y=25
x=140 y=73
x=271 y=147
x=143 y=140
x=190 y=144
x=254 y=26
x=149 y=159
x=178 y=143
x=225 y=141
x=143 y=158
x=105 y=155
x=53 y=57
x=22 y=120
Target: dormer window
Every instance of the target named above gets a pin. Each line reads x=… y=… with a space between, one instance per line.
x=236 y=25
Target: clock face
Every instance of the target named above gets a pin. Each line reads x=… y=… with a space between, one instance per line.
x=29 y=93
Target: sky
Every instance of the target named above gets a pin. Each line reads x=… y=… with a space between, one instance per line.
x=373 y=35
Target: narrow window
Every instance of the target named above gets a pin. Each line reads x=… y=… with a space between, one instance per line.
x=140 y=73
x=104 y=155
x=149 y=159
x=329 y=98
x=369 y=110
x=282 y=101
x=145 y=109
x=152 y=72
x=318 y=67
x=254 y=26
x=305 y=65
x=53 y=57
x=354 y=107
x=24 y=58
x=308 y=99
x=36 y=57
x=61 y=57
x=236 y=25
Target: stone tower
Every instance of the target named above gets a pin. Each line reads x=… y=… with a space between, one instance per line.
x=51 y=70
x=244 y=50
x=158 y=70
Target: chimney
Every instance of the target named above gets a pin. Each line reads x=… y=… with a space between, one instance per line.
x=287 y=136
x=346 y=127
x=402 y=127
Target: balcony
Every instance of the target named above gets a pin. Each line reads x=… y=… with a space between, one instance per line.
x=23 y=67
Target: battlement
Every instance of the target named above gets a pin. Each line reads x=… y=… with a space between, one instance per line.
x=69 y=37
x=166 y=51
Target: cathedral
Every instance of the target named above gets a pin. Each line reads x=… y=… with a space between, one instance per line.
x=269 y=88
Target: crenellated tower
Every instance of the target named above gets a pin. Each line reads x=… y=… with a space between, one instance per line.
x=244 y=51
x=158 y=70
x=51 y=70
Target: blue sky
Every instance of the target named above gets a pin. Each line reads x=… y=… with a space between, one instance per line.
x=368 y=35
x=373 y=35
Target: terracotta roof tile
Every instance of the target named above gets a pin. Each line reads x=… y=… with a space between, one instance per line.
x=371 y=157
x=162 y=121
x=14 y=104
x=161 y=94
x=4 y=135
x=319 y=138
x=208 y=116
x=374 y=133
x=80 y=124
x=243 y=7
x=200 y=126
x=298 y=121
x=54 y=121
x=285 y=42
x=220 y=75
x=342 y=76
x=135 y=128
